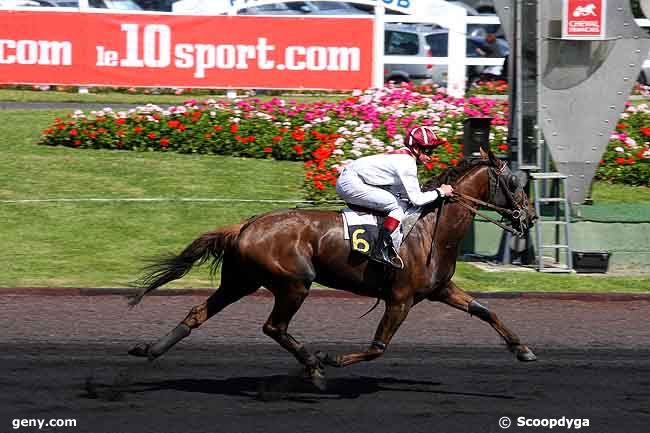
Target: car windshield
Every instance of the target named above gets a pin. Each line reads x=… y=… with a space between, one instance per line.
x=270 y=8
x=330 y=6
x=127 y=5
x=438 y=44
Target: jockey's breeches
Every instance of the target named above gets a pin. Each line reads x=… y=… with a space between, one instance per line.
x=352 y=189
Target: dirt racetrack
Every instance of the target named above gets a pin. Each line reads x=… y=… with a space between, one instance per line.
x=65 y=357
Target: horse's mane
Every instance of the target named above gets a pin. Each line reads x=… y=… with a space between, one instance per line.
x=453 y=174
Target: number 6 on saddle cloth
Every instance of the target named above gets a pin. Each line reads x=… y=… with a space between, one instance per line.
x=361 y=227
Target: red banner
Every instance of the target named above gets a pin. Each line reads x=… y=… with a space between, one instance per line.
x=584 y=19
x=73 y=48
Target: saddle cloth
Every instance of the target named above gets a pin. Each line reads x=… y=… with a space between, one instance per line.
x=362 y=228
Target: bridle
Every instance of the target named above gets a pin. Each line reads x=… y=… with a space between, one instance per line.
x=498 y=184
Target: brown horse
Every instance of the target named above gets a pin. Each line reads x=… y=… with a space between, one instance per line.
x=285 y=251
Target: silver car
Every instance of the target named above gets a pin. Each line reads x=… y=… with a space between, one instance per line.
x=418 y=40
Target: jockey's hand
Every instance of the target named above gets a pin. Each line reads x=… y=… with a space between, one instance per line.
x=446 y=190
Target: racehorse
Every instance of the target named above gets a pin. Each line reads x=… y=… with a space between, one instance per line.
x=287 y=250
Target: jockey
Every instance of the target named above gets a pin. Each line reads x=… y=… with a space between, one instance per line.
x=387 y=183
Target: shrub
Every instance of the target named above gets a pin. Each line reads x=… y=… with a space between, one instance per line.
x=328 y=135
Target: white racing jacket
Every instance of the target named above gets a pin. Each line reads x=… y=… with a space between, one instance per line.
x=396 y=172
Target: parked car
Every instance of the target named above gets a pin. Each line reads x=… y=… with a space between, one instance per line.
x=198 y=6
x=24 y=3
x=100 y=4
x=325 y=8
x=410 y=40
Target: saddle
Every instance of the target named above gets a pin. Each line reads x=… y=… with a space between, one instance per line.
x=361 y=227
x=362 y=209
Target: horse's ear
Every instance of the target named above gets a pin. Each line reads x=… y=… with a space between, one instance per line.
x=484 y=154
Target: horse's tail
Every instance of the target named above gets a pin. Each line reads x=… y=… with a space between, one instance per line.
x=172 y=267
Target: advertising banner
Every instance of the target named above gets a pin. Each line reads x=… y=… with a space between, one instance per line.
x=77 y=48
x=584 y=19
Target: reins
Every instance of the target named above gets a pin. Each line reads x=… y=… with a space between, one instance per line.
x=463 y=200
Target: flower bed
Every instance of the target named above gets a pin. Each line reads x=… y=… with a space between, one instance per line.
x=325 y=135
x=627 y=159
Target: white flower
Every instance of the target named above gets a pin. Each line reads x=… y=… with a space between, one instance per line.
x=631 y=142
x=619 y=149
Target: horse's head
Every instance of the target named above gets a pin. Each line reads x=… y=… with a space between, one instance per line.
x=506 y=192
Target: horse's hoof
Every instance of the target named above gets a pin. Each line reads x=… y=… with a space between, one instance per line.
x=317 y=377
x=524 y=354
x=141 y=350
x=325 y=359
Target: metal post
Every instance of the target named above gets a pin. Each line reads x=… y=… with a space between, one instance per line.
x=378 y=47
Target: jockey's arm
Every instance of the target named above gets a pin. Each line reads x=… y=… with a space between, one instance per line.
x=412 y=187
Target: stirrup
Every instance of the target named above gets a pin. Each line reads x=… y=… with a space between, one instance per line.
x=395 y=261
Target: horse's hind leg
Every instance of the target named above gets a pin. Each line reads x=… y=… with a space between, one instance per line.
x=457 y=298
x=288 y=300
x=219 y=300
x=393 y=317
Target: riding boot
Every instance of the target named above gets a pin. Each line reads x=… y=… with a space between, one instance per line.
x=384 y=250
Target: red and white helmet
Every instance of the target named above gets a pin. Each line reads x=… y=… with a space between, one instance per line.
x=423 y=138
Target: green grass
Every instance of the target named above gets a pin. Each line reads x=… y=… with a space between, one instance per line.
x=9 y=95
x=103 y=244
x=616 y=193
x=470 y=277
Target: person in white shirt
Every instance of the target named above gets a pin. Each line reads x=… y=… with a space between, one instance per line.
x=388 y=183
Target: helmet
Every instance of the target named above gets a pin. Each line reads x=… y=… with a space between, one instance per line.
x=423 y=138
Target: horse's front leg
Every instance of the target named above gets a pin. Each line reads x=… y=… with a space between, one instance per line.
x=458 y=298
x=393 y=317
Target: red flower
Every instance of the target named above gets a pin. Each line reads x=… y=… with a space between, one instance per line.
x=645 y=131
x=217 y=128
x=442 y=165
x=137 y=129
x=164 y=142
x=173 y=123
x=454 y=162
x=621 y=126
x=77 y=142
x=120 y=121
x=322 y=153
x=119 y=132
x=152 y=135
x=74 y=132
x=234 y=127
x=298 y=148
x=503 y=147
x=268 y=149
x=298 y=135
x=630 y=161
x=620 y=160
x=277 y=138
x=602 y=162
x=319 y=185
x=181 y=127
